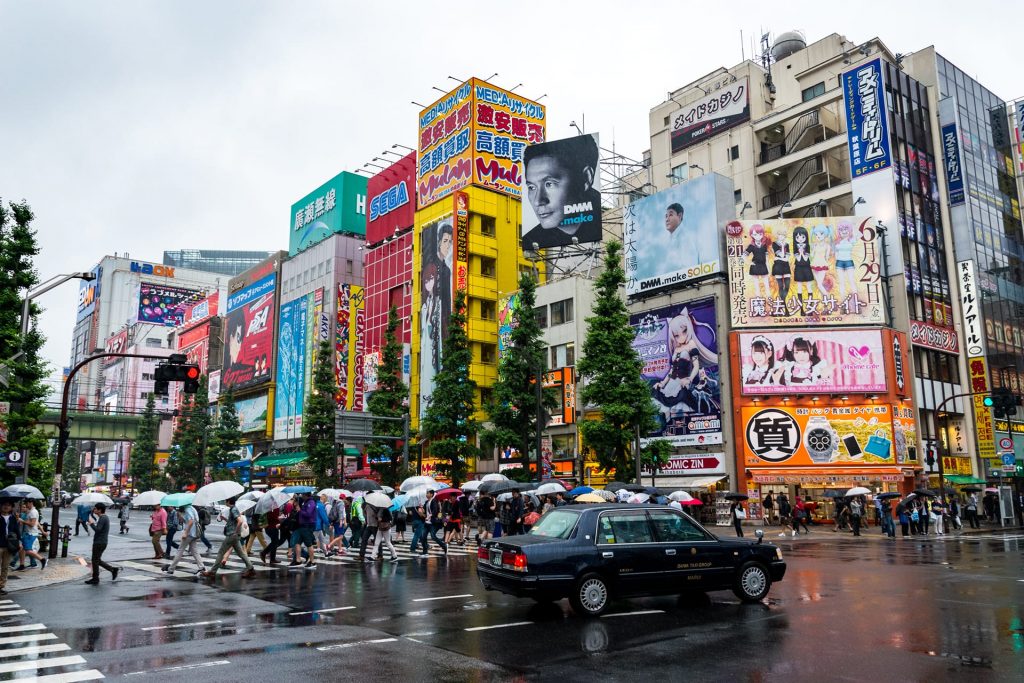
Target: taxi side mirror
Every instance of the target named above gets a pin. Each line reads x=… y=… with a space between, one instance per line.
x=760 y=536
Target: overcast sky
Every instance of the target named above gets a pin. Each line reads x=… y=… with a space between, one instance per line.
x=144 y=126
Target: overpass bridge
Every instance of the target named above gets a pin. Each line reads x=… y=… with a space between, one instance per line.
x=93 y=426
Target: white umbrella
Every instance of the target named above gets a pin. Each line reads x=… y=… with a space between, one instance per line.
x=679 y=496
x=272 y=499
x=244 y=505
x=387 y=489
x=22 y=491
x=412 y=482
x=377 y=499
x=216 y=492
x=550 y=487
x=251 y=495
x=675 y=504
x=148 y=498
x=472 y=486
x=504 y=497
x=639 y=498
x=333 y=494
x=494 y=476
x=344 y=492
x=415 y=497
x=92 y=499
x=858 y=491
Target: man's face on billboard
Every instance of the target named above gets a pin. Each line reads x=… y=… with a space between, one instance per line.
x=444 y=248
x=549 y=187
x=235 y=343
x=672 y=219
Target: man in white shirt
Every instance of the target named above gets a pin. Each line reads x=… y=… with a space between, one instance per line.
x=189 y=540
x=683 y=243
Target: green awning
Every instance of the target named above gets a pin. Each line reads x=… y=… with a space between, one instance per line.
x=353 y=452
x=279 y=460
x=963 y=479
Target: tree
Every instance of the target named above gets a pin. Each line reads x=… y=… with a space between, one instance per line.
x=190 y=437
x=318 y=419
x=513 y=410
x=611 y=372
x=222 y=447
x=71 y=475
x=25 y=390
x=391 y=399
x=142 y=459
x=448 y=423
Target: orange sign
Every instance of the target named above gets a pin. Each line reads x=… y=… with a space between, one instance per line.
x=982 y=414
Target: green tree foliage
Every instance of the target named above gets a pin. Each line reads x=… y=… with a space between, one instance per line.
x=611 y=372
x=71 y=475
x=26 y=390
x=223 y=445
x=142 y=459
x=513 y=410
x=655 y=455
x=318 y=419
x=190 y=437
x=448 y=424
x=391 y=399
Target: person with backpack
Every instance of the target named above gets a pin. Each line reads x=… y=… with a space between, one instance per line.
x=369 y=529
x=172 y=528
x=205 y=520
x=323 y=525
x=234 y=530
x=400 y=521
x=275 y=534
x=337 y=518
x=418 y=516
x=191 y=530
x=385 y=519
x=435 y=521
x=303 y=536
x=256 y=525
x=485 y=516
x=82 y=518
x=356 y=520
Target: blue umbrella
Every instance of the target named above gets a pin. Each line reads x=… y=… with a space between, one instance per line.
x=298 y=489
x=580 y=490
x=399 y=502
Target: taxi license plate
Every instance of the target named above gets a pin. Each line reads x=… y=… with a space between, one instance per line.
x=496 y=558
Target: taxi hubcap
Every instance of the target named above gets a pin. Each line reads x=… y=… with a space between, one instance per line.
x=753 y=581
x=593 y=594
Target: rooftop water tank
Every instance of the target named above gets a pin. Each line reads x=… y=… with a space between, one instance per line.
x=788 y=43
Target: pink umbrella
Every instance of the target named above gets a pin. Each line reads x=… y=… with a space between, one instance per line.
x=692 y=501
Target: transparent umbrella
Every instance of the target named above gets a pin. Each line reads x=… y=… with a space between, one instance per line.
x=22 y=491
x=92 y=499
x=421 y=480
x=271 y=500
x=216 y=492
x=147 y=498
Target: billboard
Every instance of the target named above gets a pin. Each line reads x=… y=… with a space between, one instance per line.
x=561 y=192
x=954 y=170
x=88 y=293
x=934 y=337
x=195 y=344
x=391 y=199
x=164 y=305
x=866 y=118
x=290 y=396
x=812 y=362
x=508 y=307
x=827 y=435
x=475 y=134
x=436 y=256
x=563 y=382
x=339 y=205
x=804 y=271
x=672 y=238
x=678 y=345
x=348 y=344
x=201 y=310
x=711 y=115
x=252 y=414
x=249 y=334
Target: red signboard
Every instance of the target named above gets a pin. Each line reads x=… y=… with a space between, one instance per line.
x=391 y=199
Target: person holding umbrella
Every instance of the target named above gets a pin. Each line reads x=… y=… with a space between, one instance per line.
x=190 y=532
x=434 y=520
x=233 y=531
x=737 y=521
x=972 y=511
x=157 y=528
x=101 y=529
x=10 y=529
x=30 y=535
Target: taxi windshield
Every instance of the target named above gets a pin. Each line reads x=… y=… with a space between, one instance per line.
x=555 y=524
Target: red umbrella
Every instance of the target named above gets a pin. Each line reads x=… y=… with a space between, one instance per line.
x=692 y=501
x=444 y=494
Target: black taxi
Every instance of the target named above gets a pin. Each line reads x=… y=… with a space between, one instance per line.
x=593 y=553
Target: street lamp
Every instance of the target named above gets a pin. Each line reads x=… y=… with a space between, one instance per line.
x=782 y=209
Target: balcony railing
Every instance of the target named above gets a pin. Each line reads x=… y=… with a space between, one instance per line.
x=804 y=172
x=801 y=126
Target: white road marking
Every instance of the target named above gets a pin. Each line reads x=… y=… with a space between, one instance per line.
x=23 y=627
x=321 y=611
x=633 y=614
x=444 y=597
x=361 y=642
x=13 y=613
x=183 y=667
x=33 y=650
x=194 y=623
x=419 y=633
x=485 y=628
x=27 y=638
x=72 y=677
x=46 y=663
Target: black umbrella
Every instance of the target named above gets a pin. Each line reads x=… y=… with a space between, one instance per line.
x=887 y=495
x=614 y=486
x=732 y=495
x=494 y=488
x=971 y=489
x=363 y=485
x=654 y=491
x=925 y=492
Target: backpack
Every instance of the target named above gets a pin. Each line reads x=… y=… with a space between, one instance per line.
x=293 y=518
x=172 y=521
x=332 y=514
x=204 y=517
x=384 y=519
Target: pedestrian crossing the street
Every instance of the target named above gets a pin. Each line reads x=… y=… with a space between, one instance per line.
x=31 y=654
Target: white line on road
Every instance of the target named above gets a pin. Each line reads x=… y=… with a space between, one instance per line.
x=484 y=628
x=321 y=611
x=444 y=597
x=13 y=613
x=41 y=664
x=23 y=627
x=6 y=602
x=33 y=650
x=194 y=623
x=183 y=667
x=633 y=614
x=27 y=638
x=73 y=677
x=361 y=642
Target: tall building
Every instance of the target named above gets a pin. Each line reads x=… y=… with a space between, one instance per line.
x=222 y=261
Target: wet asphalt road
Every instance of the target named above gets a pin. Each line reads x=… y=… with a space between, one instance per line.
x=931 y=609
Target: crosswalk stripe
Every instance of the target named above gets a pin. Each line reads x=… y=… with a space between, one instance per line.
x=33 y=650
x=70 y=677
x=45 y=663
x=27 y=638
x=13 y=613
x=22 y=627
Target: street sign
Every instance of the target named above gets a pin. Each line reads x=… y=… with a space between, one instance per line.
x=14 y=460
x=1006 y=443
x=1007 y=458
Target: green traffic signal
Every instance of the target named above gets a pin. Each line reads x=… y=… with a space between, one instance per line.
x=988 y=401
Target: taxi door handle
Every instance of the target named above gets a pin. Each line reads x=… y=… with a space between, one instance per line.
x=607 y=554
x=670 y=551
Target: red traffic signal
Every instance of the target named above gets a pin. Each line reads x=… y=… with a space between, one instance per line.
x=192 y=372
x=176 y=372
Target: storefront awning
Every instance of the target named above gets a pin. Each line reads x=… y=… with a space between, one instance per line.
x=828 y=476
x=963 y=479
x=279 y=460
x=686 y=482
x=238 y=464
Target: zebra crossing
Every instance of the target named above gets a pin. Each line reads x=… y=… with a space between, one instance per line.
x=31 y=654
x=187 y=569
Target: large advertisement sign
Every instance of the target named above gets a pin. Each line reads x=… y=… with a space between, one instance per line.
x=866 y=118
x=252 y=414
x=691 y=465
x=461 y=273
x=290 y=397
x=711 y=115
x=563 y=382
x=508 y=308
x=562 y=193
x=970 y=308
x=436 y=256
x=195 y=344
x=163 y=305
x=673 y=238
x=812 y=362
x=392 y=199
x=814 y=271
x=249 y=335
x=348 y=358
x=829 y=435
x=88 y=293
x=984 y=430
x=679 y=348
x=475 y=134
x=954 y=170
x=339 y=205
x=934 y=337
x=200 y=311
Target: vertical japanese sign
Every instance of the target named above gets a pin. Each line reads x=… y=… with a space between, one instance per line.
x=978 y=370
x=954 y=171
x=507 y=310
x=348 y=360
x=461 y=273
x=445 y=160
x=974 y=347
x=563 y=381
x=866 y=119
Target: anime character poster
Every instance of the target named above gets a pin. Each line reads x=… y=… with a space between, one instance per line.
x=249 y=335
x=436 y=242
x=679 y=347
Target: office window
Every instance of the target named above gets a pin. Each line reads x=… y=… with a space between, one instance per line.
x=734 y=153
x=348 y=266
x=563 y=355
x=487 y=309
x=488 y=353
x=541 y=314
x=153 y=343
x=667 y=119
x=486 y=396
x=678 y=173
x=487 y=225
x=561 y=312
x=815 y=90
x=737 y=196
x=487 y=266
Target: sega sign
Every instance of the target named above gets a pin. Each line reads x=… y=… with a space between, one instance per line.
x=152 y=269
x=392 y=206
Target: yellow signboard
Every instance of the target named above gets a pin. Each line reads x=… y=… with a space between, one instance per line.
x=982 y=413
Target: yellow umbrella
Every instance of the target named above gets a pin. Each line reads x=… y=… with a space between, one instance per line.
x=589 y=498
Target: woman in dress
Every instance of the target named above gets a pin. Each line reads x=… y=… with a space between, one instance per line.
x=803 y=276
x=821 y=255
x=758 y=252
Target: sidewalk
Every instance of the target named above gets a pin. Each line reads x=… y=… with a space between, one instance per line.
x=58 y=570
x=821 y=532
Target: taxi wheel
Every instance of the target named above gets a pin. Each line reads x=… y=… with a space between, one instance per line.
x=752 y=582
x=591 y=596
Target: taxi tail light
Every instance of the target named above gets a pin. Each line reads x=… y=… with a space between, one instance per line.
x=516 y=561
x=481 y=553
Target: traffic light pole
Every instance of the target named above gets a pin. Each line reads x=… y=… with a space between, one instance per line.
x=63 y=431
x=939 y=411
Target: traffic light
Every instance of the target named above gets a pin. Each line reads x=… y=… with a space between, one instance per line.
x=1004 y=403
x=176 y=372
